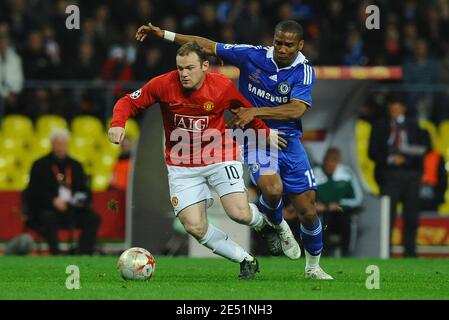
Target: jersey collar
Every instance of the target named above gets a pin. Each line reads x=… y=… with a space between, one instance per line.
x=300 y=58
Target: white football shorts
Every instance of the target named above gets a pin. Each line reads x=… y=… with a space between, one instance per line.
x=190 y=185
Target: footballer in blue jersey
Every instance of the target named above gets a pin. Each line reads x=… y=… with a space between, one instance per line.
x=278 y=81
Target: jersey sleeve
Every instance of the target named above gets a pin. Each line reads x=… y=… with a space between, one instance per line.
x=129 y=105
x=235 y=54
x=233 y=99
x=302 y=90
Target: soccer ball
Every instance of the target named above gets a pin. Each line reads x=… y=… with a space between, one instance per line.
x=136 y=264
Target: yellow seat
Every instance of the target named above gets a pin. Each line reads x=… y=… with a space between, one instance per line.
x=14 y=145
x=45 y=124
x=13 y=180
x=433 y=134
x=108 y=147
x=7 y=162
x=132 y=129
x=4 y=183
x=366 y=165
x=100 y=182
x=104 y=164
x=87 y=126
x=444 y=134
x=41 y=146
x=16 y=125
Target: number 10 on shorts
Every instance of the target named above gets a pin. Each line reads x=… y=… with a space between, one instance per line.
x=311 y=178
x=232 y=172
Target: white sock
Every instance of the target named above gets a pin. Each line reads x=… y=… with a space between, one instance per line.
x=312 y=261
x=220 y=244
x=257 y=220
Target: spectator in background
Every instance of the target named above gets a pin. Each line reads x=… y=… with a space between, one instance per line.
x=36 y=62
x=87 y=67
x=149 y=64
x=339 y=197
x=251 y=24
x=420 y=69
x=122 y=167
x=434 y=181
x=397 y=146
x=354 y=49
x=58 y=197
x=11 y=74
x=117 y=68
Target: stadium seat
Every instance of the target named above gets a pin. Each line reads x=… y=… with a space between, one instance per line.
x=14 y=145
x=47 y=123
x=7 y=162
x=81 y=144
x=87 y=126
x=41 y=147
x=13 y=180
x=16 y=125
x=433 y=134
x=109 y=148
x=132 y=129
x=444 y=134
x=100 y=182
x=366 y=165
x=104 y=164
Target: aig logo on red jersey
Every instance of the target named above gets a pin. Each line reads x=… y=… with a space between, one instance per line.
x=191 y=123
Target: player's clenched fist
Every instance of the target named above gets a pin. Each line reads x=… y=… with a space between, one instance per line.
x=116 y=134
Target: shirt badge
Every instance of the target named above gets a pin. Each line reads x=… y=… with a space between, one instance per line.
x=174 y=201
x=284 y=88
x=136 y=94
x=208 y=106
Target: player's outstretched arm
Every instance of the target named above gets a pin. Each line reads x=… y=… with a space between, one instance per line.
x=149 y=29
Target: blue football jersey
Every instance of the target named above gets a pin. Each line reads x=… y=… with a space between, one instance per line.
x=265 y=85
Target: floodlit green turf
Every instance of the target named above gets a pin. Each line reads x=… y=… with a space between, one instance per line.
x=189 y=278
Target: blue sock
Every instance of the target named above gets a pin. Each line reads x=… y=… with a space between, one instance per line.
x=274 y=215
x=312 y=238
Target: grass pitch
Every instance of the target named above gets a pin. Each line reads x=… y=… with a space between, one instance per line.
x=216 y=279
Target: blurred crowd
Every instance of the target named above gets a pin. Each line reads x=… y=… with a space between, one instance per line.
x=35 y=43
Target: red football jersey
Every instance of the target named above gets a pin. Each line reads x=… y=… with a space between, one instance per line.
x=195 y=129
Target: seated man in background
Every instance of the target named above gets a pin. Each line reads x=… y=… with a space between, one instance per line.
x=58 y=197
x=339 y=195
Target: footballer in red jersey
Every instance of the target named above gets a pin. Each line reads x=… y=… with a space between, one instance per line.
x=192 y=103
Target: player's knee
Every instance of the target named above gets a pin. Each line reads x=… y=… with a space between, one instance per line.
x=273 y=192
x=197 y=230
x=309 y=218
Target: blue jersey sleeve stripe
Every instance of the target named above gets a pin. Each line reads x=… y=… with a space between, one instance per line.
x=306 y=74
x=303 y=101
x=311 y=74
